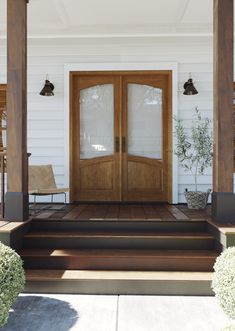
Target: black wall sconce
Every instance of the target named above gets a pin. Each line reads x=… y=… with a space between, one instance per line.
x=189 y=88
x=48 y=88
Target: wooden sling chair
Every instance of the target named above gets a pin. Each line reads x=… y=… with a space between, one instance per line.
x=42 y=182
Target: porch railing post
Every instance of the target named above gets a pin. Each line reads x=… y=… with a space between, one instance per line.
x=17 y=160
x=223 y=198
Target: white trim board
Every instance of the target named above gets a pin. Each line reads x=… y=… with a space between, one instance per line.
x=68 y=67
x=114 y=35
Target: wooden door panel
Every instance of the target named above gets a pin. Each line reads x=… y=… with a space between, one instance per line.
x=94 y=177
x=145 y=174
x=97 y=175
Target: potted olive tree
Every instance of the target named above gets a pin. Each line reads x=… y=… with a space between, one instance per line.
x=194 y=151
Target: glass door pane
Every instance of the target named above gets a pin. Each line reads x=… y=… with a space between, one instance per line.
x=144 y=121
x=97 y=121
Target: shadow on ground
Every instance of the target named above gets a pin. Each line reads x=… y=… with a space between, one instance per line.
x=42 y=314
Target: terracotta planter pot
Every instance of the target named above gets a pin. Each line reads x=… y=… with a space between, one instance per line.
x=197 y=200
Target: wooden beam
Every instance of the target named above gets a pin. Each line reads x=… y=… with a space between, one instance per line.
x=223 y=96
x=223 y=162
x=17 y=160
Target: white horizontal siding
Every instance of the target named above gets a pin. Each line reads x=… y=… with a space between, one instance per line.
x=46 y=115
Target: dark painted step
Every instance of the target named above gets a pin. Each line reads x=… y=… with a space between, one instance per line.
x=107 y=239
x=117 y=259
x=112 y=225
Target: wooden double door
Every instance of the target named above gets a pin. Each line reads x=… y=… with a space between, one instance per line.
x=121 y=133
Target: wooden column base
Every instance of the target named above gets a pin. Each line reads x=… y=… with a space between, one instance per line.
x=17 y=206
x=223 y=207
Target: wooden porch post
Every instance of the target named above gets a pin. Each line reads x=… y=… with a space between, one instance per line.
x=223 y=198
x=17 y=161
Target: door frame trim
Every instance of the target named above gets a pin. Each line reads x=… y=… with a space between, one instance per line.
x=158 y=66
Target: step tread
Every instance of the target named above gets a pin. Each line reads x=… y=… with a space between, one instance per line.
x=118 y=253
x=122 y=220
x=66 y=275
x=119 y=234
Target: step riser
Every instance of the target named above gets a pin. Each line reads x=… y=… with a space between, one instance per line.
x=138 y=226
x=123 y=243
x=120 y=263
x=121 y=287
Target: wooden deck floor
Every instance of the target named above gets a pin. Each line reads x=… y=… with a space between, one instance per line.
x=121 y=212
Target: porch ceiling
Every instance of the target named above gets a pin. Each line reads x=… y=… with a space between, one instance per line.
x=61 y=18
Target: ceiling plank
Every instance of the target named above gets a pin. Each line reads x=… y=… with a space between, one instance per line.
x=62 y=12
x=182 y=11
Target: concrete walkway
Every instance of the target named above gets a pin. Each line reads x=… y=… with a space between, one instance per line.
x=113 y=313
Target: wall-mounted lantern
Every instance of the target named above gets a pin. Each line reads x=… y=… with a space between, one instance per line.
x=48 y=88
x=189 y=88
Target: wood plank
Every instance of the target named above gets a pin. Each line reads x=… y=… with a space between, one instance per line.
x=150 y=212
x=177 y=213
x=163 y=213
x=39 y=206
x=178 y=254
x=47 y=210
x=195 y=214
x=125 y=212
x=75 y=212
x=223 y=163
x=12 y=226
x=45 y=214
x=106 y=275
x=88 y=212
x=112 y=212
x=120 y=259
x=128 y=212
x=137 y=212
x=58 y=209
x=100 y=212
x=59 y=214
x=3 y=223
x=118 y=282
x=118 y=234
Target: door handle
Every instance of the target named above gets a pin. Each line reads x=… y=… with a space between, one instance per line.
x=117 y=148
x=123 y=144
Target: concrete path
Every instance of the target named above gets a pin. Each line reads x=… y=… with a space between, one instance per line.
x=113 y=313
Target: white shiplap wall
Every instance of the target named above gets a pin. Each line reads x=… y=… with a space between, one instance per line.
x=46 y=115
